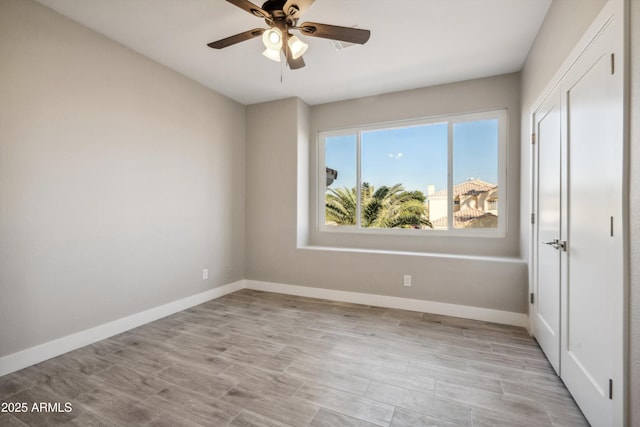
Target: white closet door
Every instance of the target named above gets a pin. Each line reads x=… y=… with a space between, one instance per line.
x=594 y=257
x=546 y=293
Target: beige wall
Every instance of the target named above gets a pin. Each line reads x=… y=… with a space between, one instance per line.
x=275 y=152
x=634 y=209
x=119 y=180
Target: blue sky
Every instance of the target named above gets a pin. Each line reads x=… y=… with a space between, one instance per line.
x=417 y=156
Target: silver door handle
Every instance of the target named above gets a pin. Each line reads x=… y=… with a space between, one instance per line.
x=557 y=244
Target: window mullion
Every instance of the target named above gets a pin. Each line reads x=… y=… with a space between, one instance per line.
x=320 y=185
x=359 y=180
x=450 y=196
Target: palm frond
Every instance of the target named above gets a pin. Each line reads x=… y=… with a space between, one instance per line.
x=384 y=207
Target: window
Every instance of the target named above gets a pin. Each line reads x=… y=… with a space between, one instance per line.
x=443 y=175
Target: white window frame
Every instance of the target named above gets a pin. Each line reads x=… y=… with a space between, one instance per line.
x=451 y=120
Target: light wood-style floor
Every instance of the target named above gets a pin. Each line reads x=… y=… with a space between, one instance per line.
x=261 y=359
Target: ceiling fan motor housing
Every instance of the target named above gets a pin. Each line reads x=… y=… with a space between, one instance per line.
x=275 y=8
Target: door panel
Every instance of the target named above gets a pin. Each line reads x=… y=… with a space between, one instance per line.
x=546 y=307
x=594 y=257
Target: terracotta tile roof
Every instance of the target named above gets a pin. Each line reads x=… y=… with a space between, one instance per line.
x=460 y=218
x=468 y=187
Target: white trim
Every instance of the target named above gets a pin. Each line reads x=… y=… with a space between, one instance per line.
x=482 y=258
x=39 y=353
x=467 y=312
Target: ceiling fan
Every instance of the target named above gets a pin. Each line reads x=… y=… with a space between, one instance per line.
x=282 y=16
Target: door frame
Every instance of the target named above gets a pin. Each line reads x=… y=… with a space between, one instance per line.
x=619 y=10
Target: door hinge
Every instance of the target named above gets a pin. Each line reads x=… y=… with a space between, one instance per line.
x=613 y=63
x=531 y=298
x=611 y=227
x=533 y=218
x=610 y=389
x=533 y=138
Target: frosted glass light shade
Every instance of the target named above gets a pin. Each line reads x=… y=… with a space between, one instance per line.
x=297 y=47
x=272 y=39
x=272 y=54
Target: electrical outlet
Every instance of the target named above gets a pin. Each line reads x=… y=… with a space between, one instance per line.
x=205 y=273
x=407 y=280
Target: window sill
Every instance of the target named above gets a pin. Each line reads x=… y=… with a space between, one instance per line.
x=501 y=259
x=479 y=233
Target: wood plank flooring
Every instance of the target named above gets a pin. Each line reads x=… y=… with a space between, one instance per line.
x=261 y=359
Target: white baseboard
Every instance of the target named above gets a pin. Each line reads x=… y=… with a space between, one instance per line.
x=465 y=311
x=31 y=356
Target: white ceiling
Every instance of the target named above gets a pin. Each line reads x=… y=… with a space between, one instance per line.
x=414 y=43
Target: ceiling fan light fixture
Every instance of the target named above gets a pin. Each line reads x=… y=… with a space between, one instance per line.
x=272 y=39
x=282 y=16
x=297 y=47
x=272 y=54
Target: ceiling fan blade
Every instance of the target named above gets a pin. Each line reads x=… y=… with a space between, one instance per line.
x=295 y=8
x=251 y=8
x=247 y=35
x=335 y=32
x=296 y=63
